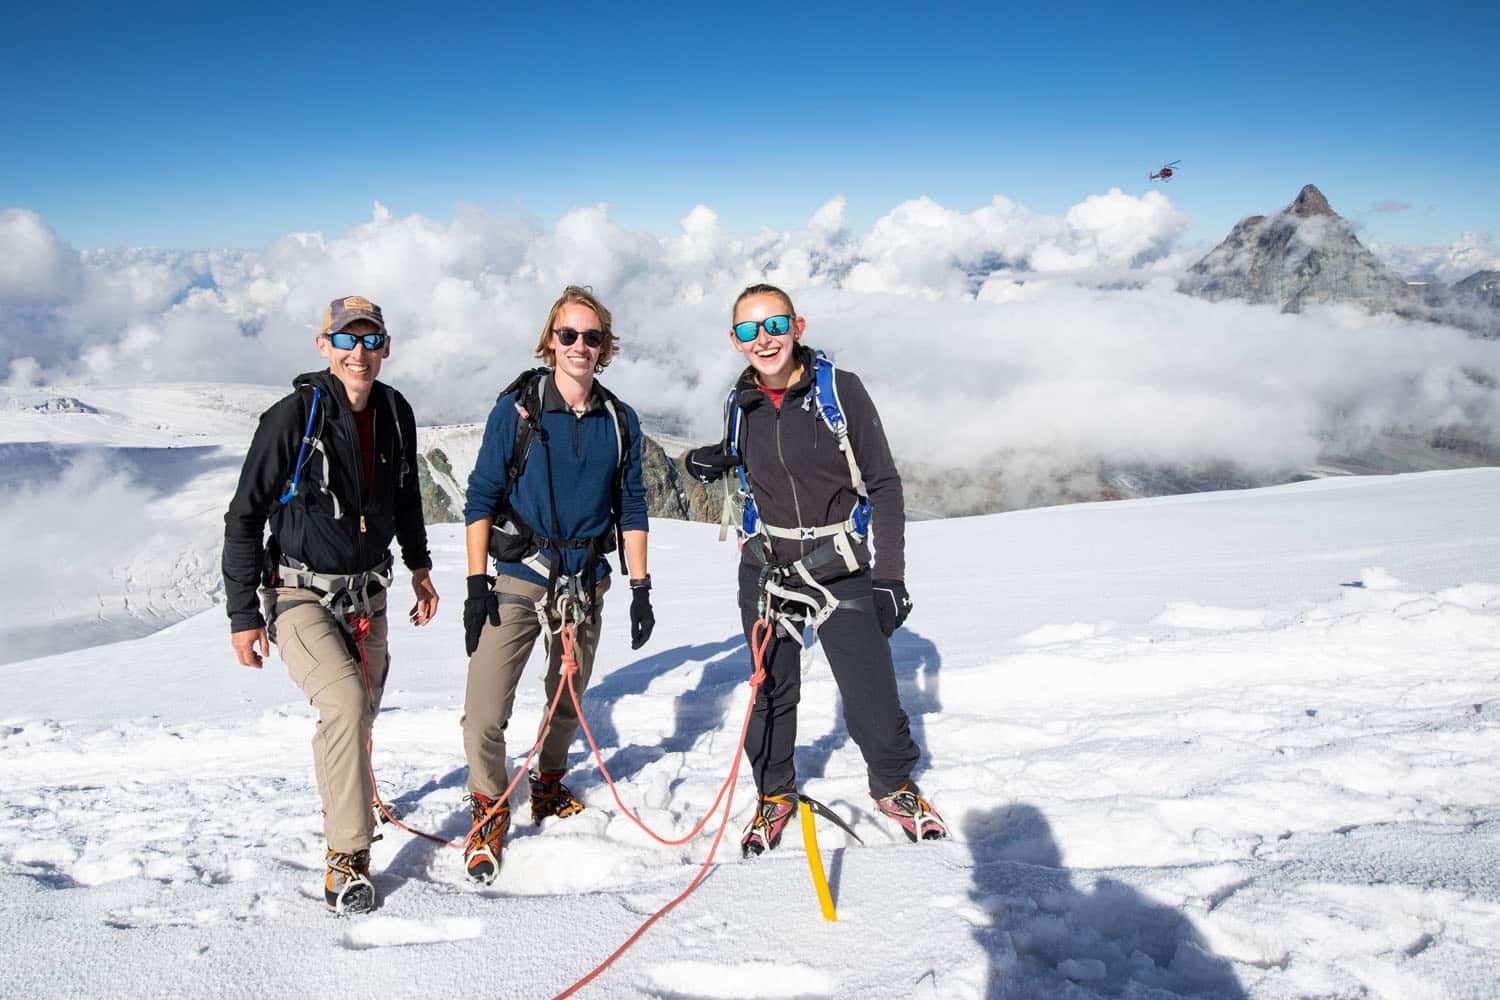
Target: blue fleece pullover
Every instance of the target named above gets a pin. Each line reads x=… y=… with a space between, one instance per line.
x=582 y=451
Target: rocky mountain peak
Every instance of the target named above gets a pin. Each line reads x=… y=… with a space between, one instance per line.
x=1310 y=202
x=1304 y=255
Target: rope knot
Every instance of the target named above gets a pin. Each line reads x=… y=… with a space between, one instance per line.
x=569 y=661
x=760 y=637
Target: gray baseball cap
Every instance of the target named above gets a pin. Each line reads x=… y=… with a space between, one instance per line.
x=343 y=311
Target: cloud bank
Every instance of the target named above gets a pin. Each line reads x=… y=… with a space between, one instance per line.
x=1053 y=341
x=1446 y=262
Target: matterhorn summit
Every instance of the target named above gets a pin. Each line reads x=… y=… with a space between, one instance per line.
x=1306 y=254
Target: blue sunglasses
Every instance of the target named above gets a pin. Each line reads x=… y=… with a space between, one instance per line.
x=776 y=326
x=346 y=341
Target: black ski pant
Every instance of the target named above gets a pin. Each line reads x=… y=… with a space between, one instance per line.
x=860 y=657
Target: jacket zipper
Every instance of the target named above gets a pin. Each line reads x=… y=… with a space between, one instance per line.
x=796 y=503
x=359 y=480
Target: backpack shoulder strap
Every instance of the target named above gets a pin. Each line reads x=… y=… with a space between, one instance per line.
x=749 y=517
x=390 y=400
x=831 y=411
x=616 y=409
x=527 y=387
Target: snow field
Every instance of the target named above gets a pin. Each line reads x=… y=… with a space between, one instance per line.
x=1229 y=745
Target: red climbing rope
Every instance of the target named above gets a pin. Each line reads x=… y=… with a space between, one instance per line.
x=757 y=675
x=760 y=638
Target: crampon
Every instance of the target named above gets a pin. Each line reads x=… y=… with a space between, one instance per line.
x=483 y=854
x=918 y=820
x=772 y=813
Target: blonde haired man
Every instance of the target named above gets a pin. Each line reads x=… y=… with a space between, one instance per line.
x=557 y=483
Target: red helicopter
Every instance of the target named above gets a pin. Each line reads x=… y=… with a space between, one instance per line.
x=1165 y=173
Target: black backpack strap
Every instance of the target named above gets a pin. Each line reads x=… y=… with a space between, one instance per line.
x=390 y=400
x=528 y=389
x=613 y=405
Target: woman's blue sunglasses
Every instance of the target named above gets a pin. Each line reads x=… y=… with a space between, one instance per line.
x=776 y=326
x=346 y=341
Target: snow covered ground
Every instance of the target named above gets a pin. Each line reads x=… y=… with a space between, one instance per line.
x=1233 y=744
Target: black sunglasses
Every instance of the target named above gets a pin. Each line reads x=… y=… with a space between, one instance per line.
x=346 y=341
x=568 y=336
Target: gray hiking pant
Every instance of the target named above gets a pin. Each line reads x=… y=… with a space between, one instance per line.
x=859 y=656
x=313 y=647
x=495 y=671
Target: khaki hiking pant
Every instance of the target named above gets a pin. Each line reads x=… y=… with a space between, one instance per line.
x=313 y=647
x=495 y=671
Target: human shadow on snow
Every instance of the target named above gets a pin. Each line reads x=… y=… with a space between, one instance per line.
x=702 y=709
x=1050 y=937
x=695 y=712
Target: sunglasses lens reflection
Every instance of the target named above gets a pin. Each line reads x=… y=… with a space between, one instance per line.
x=346 y=341
x=776 y=326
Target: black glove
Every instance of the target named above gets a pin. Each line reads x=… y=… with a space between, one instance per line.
x=481 y=604
x=642 y=621
x=892 y=604
x=709 y=462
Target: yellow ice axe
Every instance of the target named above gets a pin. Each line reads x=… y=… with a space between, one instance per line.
x=808 y=807
x=815 y=863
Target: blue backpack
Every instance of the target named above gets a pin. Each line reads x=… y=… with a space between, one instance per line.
x=825 y=397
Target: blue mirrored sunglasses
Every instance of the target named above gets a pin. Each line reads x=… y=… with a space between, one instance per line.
x=346 y=341
x=776 y=326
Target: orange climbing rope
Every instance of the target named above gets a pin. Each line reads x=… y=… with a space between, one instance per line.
x=757 y=675
x=760 y=638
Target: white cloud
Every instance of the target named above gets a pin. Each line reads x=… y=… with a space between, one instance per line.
x=1056 y=340
x=35 y=266
x=1448 y=263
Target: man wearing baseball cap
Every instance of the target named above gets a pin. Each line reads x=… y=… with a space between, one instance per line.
x=333 y=469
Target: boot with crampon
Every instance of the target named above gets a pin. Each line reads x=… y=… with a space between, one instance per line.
x=550 y=797
x=483 y=854
x=918 y=820
x=772 y=813
x=346 y=885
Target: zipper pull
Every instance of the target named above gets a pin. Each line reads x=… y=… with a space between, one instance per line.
x=361 y=524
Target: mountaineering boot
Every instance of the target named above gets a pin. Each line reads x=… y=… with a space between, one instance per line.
x=919 y=821
x=550 y=797
x=772 y=812
x=346 y=886
x=483 y=853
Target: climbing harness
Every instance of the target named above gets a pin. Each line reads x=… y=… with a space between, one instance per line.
x=346 y=596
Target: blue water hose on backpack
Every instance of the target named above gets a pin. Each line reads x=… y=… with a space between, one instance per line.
x=312 y=412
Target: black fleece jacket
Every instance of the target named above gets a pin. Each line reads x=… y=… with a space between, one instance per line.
x=305 y=527
x=801 y=479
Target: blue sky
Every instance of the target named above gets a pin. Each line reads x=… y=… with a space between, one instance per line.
x=196 y=126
